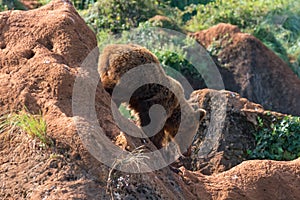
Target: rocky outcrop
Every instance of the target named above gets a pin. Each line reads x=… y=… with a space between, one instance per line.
x=251 y=69
x=227 y=133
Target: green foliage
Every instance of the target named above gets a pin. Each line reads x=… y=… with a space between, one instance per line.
x=83 y=4
x=79 y=4
x=126 y=112
x=181 y=4
x=280 y=141
x=176 y=60
x=246 y=13
x=118 y=15
x=11 y=5
x=3 y=7
x=44 y=2
x=33 y=125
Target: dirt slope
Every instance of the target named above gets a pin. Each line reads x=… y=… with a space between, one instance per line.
x=227 y=132
x=251 y=69
x=40 y=55
x=259 y=179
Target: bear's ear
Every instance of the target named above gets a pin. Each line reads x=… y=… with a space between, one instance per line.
x=201 y=113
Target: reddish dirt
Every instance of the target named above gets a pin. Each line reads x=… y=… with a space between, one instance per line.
x=234 y=121
x=251 y=69
x=40 y=54
x=257 y=179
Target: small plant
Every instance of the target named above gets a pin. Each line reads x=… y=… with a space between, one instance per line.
x=33 y=125
x=279 y=141
x=126 y=112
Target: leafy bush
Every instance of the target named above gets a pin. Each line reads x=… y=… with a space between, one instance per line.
x=126 y=112
x=33 y=125
x=2 y=8
x=83 y=4
x=246 y=13
x=79 y=4
x=118 y=15
x=176 y=60
x=280 y=141
x=44 y=2
x=11 y=5
x=181 y=4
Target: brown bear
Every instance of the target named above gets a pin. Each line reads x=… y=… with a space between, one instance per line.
x=119 y=59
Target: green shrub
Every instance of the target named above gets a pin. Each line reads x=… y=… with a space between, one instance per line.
x=118 y=15
x=243 y=13
x=83 y=4
x=78 y=4
x=11 y=5
x=176 y=60
x=3 y=7
x=126 y=112
x=44 y=2
x=280 y=141
x=181 y=4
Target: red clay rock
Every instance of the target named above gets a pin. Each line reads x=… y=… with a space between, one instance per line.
x=251 y=69
x=227 y=132
x=255 y=179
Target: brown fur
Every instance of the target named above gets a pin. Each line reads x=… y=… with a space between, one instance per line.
x=116 y=60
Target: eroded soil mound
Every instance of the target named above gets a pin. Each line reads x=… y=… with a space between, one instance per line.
x=256 y=179
x=40 y=56
x=227 y=132
x=251 y=69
